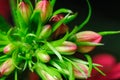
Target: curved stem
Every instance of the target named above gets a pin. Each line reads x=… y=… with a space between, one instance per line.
x=87 y=18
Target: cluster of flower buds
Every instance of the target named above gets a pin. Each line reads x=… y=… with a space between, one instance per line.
x=42 y=42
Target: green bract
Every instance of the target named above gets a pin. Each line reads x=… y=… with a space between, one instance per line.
x=40 y=41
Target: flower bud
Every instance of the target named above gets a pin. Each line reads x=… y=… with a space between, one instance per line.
x=7 y=67
x=42 y=56
x=79 y=74
x=62 y=29
x=67 y=48
x=45 y=9
x=8 y=48
x=25 y=10
x=87 y=36
x=46 y=32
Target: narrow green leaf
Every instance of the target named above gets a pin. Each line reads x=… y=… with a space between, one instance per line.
x=99 y=70
x=62 y=10
x=16 y=76
x=55 y=51
x=90 y=64
x=71 y=73
x=87 y=18
x=104 y=33
x=73 y=32
x=89 y=44
x=53 y=3
x=60 y=41
x=35 y=22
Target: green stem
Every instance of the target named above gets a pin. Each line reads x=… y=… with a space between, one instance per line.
x=87 y=18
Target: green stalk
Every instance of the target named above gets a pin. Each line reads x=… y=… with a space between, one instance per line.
x=87 y=18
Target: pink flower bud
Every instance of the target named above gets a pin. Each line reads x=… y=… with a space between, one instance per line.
x=42 y=56
x=62 y=29
x=67 y=48
x=87 y=36
x=8 y=48
x=25 y=10
x=7 y=67
x=46 y=32
x=45 y=9
x=79 y=74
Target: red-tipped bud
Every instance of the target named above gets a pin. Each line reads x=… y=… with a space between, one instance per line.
x=8 y=48
x=45 y=9
x=81 y=75
x=42 y=56
x=46 y=32
x=67 y=48
x=62 y=29
x=25 y=10
x=7 y=67
x=87 y=36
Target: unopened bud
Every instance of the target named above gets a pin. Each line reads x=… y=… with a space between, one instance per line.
x=81 y=75
x=45 y=9
x=8 y=48
x=25 y=10
x=46 y=32
x=87 y=36
x=42 y=56
x=67 y=48
x=62 y=29
x=7 y=67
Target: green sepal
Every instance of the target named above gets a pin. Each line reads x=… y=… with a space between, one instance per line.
x=104 y=33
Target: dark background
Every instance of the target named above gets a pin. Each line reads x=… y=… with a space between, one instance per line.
x=105 y=17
